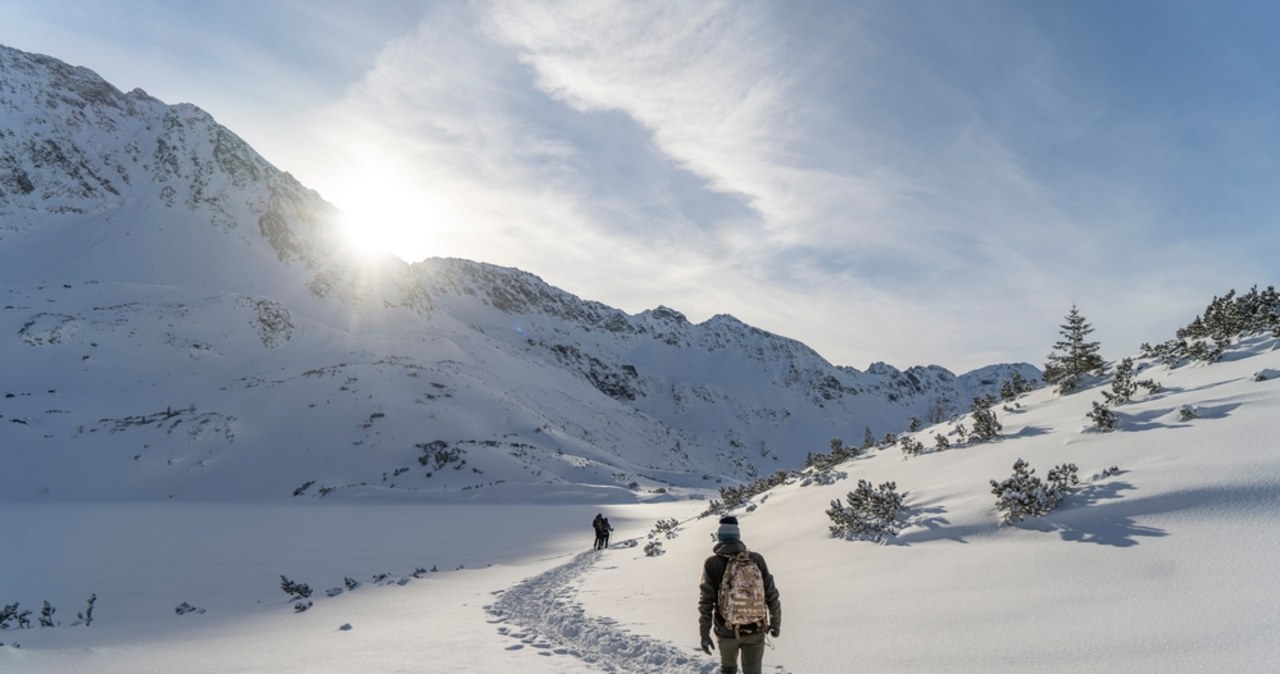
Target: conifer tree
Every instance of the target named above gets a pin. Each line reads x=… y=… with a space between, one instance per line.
x=1073 y=357
x=985 y=425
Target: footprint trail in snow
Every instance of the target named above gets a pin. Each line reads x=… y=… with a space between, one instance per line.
x=552 y=622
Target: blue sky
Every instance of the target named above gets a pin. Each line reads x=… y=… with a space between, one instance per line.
x=911 y=182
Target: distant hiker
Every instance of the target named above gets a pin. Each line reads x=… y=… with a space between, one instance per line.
x=739 y=599
x=601 y=536
x=606 y=529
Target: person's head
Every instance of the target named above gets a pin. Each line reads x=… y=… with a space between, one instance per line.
x=728 y=530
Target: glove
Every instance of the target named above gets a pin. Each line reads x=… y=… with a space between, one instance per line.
x=707 y=644
x=774 y=631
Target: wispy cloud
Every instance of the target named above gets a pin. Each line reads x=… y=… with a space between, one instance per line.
x=910 y=182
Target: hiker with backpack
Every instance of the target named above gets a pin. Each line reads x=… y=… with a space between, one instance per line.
x=739 y=600
x=602 y=527
x=606 y=530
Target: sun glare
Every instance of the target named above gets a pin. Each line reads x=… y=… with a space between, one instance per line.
x=384 y=217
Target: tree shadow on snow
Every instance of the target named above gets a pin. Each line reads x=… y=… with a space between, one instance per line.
x=1110 y=518
x=1085 y=518
x=1170 y=418
x=1030 y=432
x=1150 y=420
x=928 y=523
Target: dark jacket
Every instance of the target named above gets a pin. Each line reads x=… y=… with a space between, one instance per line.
x=713 y=573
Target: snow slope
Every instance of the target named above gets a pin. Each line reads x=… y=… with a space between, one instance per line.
x=181 y=319
x=186 y=344
x=1166 y=565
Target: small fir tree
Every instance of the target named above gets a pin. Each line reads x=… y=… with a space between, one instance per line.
x=1074 y=356
x=87 y=616
x=9 y=612
x=300 y=590
x=1123 y=385
x=911 y=446
x=985 y=425
x=940 y=442
x=1103 y=418
x=1006 y=391
x=46 y=615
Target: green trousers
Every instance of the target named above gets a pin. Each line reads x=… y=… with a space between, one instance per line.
x=751 y=646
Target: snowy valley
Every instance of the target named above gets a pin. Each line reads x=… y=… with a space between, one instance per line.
x=205 y=393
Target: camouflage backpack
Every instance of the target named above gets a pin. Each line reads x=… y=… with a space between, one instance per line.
x=741 y=599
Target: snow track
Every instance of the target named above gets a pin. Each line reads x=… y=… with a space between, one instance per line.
x=550 y=618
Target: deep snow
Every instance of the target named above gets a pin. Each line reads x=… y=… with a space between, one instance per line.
x=1166 y=566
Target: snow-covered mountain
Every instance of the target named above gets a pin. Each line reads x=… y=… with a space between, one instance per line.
x=180 y=319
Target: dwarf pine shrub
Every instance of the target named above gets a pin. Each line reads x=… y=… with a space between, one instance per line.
x=870 y=514
x=1024 y=495
x=300 y=590
x=1103 y=418
x=911 y=446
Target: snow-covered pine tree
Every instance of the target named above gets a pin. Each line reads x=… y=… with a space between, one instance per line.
x=1006 y=391
x=1024 y=495
x=1103 y=418
x=1073 y=357
x=911 y=446
x=1123 y=385
x=985 y=425
x=872 y=514
x=300 y=590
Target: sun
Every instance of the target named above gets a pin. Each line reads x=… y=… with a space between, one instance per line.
x=382 y=216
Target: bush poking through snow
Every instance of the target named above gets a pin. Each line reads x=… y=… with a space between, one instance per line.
x=985 y=425
x=185 y=608
x=300 y=606
x=653 y=549
x=1105 y=473
x=732 y=498
x=21 y=618
x=665 y=527
x=871 y=514
x=86 y=618
x=1123 y=386
x=1187 y=413
x=46 y=615
x=1024 y=495
x=911 y=446
x=350 y=583
x=299 y=590
x=1103 y=418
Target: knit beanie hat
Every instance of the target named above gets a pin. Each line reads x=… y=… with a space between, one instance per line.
x=728 y=530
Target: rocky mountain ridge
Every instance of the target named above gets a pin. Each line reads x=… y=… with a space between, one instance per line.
x=175 y=306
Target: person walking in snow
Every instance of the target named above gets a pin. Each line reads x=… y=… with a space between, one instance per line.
x=739 y=600
x=598 y=525
x=606 y=529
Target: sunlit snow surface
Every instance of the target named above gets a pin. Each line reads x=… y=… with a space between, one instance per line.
x=1166 y=566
